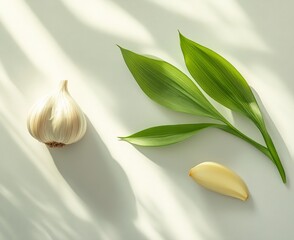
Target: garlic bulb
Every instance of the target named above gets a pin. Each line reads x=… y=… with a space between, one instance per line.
x=220 y=179
x=57 y=120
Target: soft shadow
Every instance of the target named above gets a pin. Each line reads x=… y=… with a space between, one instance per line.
x=100 y=182
x=18 y=65
x=31 y=207
x=278 y=140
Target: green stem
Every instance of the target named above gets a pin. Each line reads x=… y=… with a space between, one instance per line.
x=270 y=151
x=271 y=147
x=231 y=129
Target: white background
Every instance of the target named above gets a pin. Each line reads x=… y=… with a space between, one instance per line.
x=102 y=188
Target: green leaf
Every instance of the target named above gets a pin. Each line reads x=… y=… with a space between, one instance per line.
x=165 y=135
x=220 y=79
x=168 y=86
x=170 y=134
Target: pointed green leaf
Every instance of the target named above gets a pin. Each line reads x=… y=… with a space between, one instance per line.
x=170 y=134
x=220 y=79
x=165 y=135
x=167 y=85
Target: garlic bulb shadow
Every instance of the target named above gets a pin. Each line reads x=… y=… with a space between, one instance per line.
x=100 y=183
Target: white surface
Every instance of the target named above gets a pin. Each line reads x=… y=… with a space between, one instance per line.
x=101 y=188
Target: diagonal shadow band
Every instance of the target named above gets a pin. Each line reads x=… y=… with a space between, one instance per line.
x=100 y=182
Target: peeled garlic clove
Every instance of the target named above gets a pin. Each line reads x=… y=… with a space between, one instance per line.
x=57 y=120
x=220 y=179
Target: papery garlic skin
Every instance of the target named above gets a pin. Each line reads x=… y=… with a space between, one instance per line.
x=220 y=179
x=57 y=120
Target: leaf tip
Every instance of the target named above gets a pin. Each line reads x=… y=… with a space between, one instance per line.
x=126 y=52
x=120 y=47
x=123 y=50
x=182 y=37
x=121 y=138
x=284 y=179
x=124 y=139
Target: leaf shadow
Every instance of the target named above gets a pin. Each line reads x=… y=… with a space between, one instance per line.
x=278 y=140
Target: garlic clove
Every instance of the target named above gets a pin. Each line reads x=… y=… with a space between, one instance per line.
x=220 y=179
x=57 y=120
